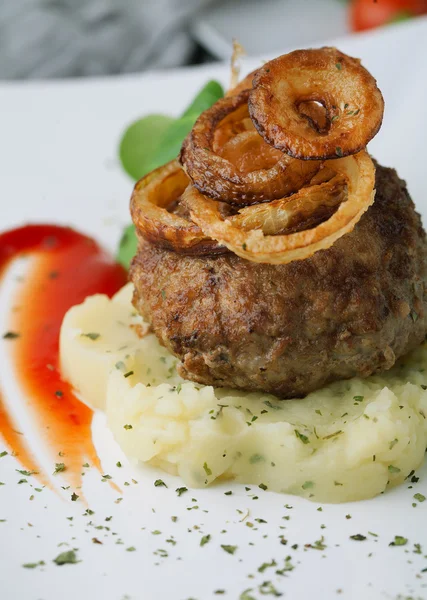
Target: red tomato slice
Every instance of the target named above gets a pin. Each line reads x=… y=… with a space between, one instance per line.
x=367 y=14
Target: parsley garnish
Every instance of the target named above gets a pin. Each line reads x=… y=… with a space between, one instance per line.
x=128 y=374
x=66 y=558
x=4 y=453
x=92 y=336
x=206 y=469
x=34 y=565
x=307 y=485
x=358 y=537
x=302 y=437
x=419 y=497
x=160 y=483
x=393 y=469
x=205 y=539
x=127 y=427
x=267 y=565
x=74 y=497
x=263 y=486
x=414 y=315
x=181 y=490
x=26 y=473
x=229 y=549
x=255 y=458
x=59 y=467
x=338 y=151
x=399 y=541
x=11 y=335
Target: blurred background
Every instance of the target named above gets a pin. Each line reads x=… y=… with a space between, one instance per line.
x=76 y=38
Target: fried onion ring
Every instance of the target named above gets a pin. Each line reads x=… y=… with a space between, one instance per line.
x=353 y=104
x=151 y=197
x=358 y=172
x=219 y=178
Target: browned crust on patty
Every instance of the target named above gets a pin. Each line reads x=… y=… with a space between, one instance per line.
x=348 y=311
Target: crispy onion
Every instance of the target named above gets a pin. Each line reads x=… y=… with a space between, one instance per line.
x=275 y=174
x=352 y=104
x=151 y=197
x=255 y=234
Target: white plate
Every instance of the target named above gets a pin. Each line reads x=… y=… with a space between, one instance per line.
x=58 y=149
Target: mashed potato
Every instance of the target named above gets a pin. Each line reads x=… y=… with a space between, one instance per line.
x=348 y=441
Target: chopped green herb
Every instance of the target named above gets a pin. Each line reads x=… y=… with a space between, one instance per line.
x=338 y=66
x=229 y=549
x=246 y=595
x=128 y=374
x=205 y=539
x=332 y=435
x=131 y=549
x=263 y=486
x=399 y=541
x=273 y=406
x=11 y=335
x=34 y=565
x=267 y=565
x=118 y=464
x=256 y=458
x=338 y=151
x=181 y=490
x=206 y=469
x=26 y=473
x=4 y=453
x=74 y=497
x=307 y=485
x=160 y=483
x=127 y=427
x=419 y=497
x=393 y=443
x=393 y=469
x=358 y=398
x=302 y=437
x=92 y=336
x=59 y=394
x=358 y=537
x=59 y=467
x=66 y=558
x=414 y=315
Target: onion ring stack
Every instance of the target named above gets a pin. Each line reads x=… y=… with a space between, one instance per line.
x=272 y=172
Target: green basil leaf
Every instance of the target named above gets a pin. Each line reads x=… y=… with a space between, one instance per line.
x=171 y=141
x=140 y=143
x=207 y=96
x=127 y=246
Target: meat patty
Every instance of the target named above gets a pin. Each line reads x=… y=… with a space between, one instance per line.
x=351 y=310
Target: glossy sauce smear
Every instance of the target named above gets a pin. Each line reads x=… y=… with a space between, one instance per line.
x=68 y=266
